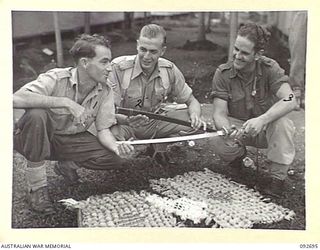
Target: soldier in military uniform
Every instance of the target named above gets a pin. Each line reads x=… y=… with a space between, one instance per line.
x=69 y=112
x=254 y=89
x=144 y=81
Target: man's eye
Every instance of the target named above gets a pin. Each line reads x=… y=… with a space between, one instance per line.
x=143 y=49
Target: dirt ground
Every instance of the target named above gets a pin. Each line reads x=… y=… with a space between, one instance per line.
x=198 y=67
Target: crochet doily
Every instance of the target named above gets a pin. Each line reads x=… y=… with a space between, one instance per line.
x=202 y=197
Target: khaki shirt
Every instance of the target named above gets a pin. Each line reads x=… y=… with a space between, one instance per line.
x=248 y=98
x=133 y=89
x=98 y=104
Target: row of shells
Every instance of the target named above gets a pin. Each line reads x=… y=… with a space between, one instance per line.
x=230 y=204
x=123 y=209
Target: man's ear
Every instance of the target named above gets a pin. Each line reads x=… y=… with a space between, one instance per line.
x=163 y=50
x=259 y=54
x=83 y=61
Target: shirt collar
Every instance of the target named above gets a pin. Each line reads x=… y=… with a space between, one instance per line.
x=137 y=70
x=75 y=81
x=74 y=77
x=258 y=70
x=234 y=72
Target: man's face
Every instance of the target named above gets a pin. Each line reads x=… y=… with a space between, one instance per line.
x=99 y=67
x=243 y=54
x=149 y=51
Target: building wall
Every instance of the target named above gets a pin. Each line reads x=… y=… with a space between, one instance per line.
x=33 y=23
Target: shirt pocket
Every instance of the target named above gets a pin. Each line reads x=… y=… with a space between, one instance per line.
x=160 y=92
x=261 y=101
x=261 y=105
x=159 y=96
x=237 y=106
x=133 y=98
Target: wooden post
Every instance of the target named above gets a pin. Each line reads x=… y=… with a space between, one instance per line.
x=58 y=40
x=128 y=20
x=202 y=27
x=233 y=32
x=87 y=22
x=209 y=22
x=222 y=18
x=145 y=18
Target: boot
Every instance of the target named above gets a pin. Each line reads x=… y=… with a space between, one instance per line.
x=163 y=159
x=68 y=173
x=274 y=188
x=238 y=162
x=39 y=201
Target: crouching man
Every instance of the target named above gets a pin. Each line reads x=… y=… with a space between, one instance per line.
x=69 y=112
x=144 y=81
x=254 y=89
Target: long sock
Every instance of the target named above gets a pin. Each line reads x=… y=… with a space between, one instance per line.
x=36 y=176
x=278 y=171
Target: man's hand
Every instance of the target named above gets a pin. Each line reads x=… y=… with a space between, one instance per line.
x=254 y=126
x=74 y=108
x=236 y=134
x=298 y=95
x=125 y=150
x=137 y=120
x=197 y=122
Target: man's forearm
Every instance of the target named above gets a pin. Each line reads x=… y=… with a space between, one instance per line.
x=220 y=113
x=287 y=102
x=278 y=110
x=28 y=99
x=194 y=106
x=122 y=119
x=221 y=121
x=107 y=140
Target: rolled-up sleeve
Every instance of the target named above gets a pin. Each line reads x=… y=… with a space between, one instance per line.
x=44 y=84
x=219 y=86
x=182 y=91
x=276 y=77
x=106 y=113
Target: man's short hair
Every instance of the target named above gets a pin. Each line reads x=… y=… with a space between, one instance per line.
x=153 y=31
x=85 y=45
x=256 y=34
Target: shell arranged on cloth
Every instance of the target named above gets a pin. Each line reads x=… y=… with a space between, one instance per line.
x=122 y=209
x=183 y=207
x=197 y=196
x=230 y=204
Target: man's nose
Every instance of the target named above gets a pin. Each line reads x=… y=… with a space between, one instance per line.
x=147 y=54
x=237 y=55
x=108 y=67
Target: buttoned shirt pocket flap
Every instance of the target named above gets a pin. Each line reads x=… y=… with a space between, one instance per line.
x=237 y=105
x=160 y=92
x=236 y=96
x=133 y=98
